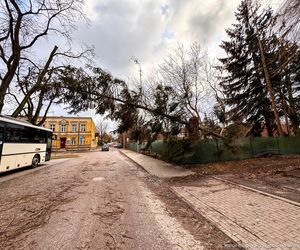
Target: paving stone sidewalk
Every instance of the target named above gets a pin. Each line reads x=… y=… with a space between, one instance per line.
x=157 y=167
x=253 y=220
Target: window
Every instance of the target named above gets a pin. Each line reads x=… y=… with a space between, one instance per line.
x=82 y=127
x=22 y=134
x=63 y=128
x=52 y=127
x=74 y=127
x=2 y=125
x=73 y=141
x=13 y=133
x=81 y=140
x=39 y=136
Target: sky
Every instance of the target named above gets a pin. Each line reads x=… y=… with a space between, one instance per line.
x=148 y=30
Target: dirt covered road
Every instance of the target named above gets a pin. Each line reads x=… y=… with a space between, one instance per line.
x=97 y=201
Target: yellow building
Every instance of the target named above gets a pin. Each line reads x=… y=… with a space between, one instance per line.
x=73 y=133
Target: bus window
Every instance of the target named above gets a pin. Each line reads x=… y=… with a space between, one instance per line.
x=43 y=136
x=12 y=133
x=39 y=136
x=2 y=131
x=25 y=135
x=21 y=134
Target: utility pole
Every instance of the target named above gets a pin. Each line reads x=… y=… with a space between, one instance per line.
x=136 y=61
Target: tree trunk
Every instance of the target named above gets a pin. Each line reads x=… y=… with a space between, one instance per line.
x=285 y=111
x=38 y=108
x=268 y=126
x=39 y=123
x=37 y=84
x=8 y=78
x=269 y=88
x=292 y=111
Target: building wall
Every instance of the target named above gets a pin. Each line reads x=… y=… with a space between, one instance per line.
x=73 y=132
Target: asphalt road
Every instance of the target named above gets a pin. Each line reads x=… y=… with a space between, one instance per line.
x=97 y=201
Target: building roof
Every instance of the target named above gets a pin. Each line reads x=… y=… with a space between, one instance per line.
x=69 y=117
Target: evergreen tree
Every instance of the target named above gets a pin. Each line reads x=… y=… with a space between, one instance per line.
x=249 y=85
x=289 y=79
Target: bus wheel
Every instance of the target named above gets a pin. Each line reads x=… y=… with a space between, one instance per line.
x=35 y=161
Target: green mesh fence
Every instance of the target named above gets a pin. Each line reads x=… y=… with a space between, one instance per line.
x=136 y=146
x=289 y=145
x=215 y=150
x=206 y=151
x=159 y=147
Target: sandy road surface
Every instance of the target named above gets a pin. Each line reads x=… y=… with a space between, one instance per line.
x=97 y=201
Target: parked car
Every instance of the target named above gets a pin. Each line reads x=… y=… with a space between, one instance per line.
x=105 y=147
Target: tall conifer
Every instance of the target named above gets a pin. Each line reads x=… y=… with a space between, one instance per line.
x=245 y=85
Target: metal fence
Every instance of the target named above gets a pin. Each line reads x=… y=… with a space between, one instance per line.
x=214 y=150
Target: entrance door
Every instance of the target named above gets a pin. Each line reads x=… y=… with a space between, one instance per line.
x=63 y=142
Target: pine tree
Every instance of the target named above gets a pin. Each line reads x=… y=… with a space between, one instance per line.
x=289 y=79
x=248 y=85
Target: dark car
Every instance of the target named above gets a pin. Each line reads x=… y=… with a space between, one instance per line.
x=105 y=147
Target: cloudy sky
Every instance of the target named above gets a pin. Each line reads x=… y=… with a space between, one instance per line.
x=150 y=29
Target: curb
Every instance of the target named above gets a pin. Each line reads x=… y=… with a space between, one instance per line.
x=179 y=171
x=229 y=182
x=122 y=153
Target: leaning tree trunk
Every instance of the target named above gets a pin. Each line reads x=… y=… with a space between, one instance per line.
x=269 y=88
x=37 y=84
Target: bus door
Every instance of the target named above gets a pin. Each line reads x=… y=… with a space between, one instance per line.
x=49 y=146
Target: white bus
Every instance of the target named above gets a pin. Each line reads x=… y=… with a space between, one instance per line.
x=22 y=144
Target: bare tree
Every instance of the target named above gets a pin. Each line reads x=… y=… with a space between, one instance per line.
x=39 y=85
x=104 y=93
x=188 y=73
x=178 y=91
x=102 y=126
x=24 y=23
x=184 y=71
